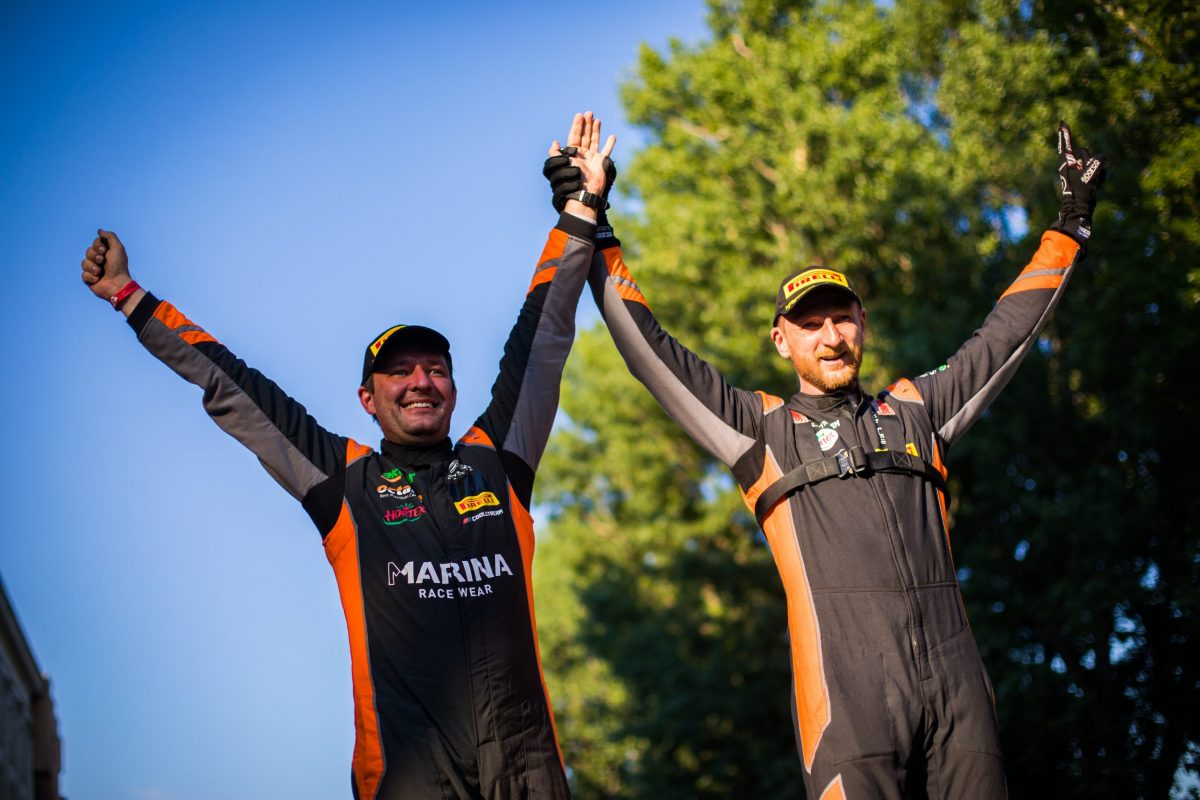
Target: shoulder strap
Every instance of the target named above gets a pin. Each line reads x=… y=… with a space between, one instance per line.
x=853 y=462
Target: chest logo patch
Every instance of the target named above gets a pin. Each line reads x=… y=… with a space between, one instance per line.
x=476 y=501
x=405 y=513
x=458 y=471
x=403 y=493
x=827 y=438
x=396 y=475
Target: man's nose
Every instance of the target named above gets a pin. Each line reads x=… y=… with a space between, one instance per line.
x=830 y=335
x=420 y=378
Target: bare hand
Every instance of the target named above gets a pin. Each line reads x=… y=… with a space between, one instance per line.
x=589 y=157
x=105 y=265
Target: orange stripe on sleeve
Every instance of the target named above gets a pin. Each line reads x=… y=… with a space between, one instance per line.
x=168 y=315
x=626 y=286
x=341 y=548
x=770 y=402
x=540 y=277
x=196 y=337
x=904 y=389
x=525 y=538
x=476 y=436
x=1057 y=251
x=355 y=451
x=1029 y=284
x=813 y=711
x=556 y=245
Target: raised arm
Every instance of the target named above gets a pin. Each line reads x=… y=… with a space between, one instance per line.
x=525 y=395
x=958 y=392
x=304 y=458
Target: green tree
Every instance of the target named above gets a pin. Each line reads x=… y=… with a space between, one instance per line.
x=905 y=144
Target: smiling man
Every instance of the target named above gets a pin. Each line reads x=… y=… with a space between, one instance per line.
x=431 y=542
x=890 y=696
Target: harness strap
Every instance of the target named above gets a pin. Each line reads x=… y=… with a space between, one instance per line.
x=853 y=462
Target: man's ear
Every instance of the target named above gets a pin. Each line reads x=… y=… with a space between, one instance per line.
x=781 y=344
x=367 y=399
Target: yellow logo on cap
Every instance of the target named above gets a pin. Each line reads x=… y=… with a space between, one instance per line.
x=806 y=280
x=375 y=348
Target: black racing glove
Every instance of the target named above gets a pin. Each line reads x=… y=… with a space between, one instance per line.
x=1080 y=176
x=566 y=179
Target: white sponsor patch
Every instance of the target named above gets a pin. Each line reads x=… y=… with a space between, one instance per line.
x=827 y=438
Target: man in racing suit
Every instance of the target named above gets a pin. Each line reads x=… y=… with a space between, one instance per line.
x=891 y=698
x=431 y=543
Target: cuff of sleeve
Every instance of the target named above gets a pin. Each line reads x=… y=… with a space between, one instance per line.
x=576 y=226
x=141 y=315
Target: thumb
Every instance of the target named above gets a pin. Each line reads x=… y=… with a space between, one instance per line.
x=554 y=148
x=109 y=238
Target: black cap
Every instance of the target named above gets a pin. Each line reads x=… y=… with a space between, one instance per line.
x=400 y=335
x=797 y=285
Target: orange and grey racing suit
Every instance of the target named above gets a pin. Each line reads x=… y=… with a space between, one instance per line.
x=890 y=696
x=431 y=548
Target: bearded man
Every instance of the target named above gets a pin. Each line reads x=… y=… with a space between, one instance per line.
x=890 y=696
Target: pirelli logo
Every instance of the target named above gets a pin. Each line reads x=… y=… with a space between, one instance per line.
x=475 y=501
x=375 y=348
x=807 y=279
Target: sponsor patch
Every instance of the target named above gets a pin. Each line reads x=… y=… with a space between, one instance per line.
x=882 y=408
x=471 y=577
x=911 y=449
x=403 y=492
x=494 y=512
x=458 y=471
x=797 y=417
x=405 y=513
x=476 y=501
x=827 y=438
x=396 y=475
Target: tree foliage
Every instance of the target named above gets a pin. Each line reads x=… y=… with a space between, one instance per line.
x=906 y=144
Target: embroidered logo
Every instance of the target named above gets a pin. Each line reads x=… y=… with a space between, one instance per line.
x=476 y=501
x=405 y=513
x=458 y=471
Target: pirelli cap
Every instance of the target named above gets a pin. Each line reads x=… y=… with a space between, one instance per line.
x=799 y=284
x=401 y=335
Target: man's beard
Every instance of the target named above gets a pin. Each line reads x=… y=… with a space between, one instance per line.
x=846 y=377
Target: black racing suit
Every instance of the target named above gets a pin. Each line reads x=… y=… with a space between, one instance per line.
x=431 y=547
x=891 y=698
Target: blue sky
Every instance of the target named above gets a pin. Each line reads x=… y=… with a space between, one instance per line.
x=295 y=177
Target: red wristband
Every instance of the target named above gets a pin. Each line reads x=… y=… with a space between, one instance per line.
x=120 y=297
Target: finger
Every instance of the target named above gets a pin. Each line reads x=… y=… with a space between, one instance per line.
x=609 y=145
x=595 y=134
x=110 y=238
x=586 y=132
x=90 y=279
x=576 y=132
x=1066 y=144
x=554 y=148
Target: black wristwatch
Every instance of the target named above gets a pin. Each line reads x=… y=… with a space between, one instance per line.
x=590 y=200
